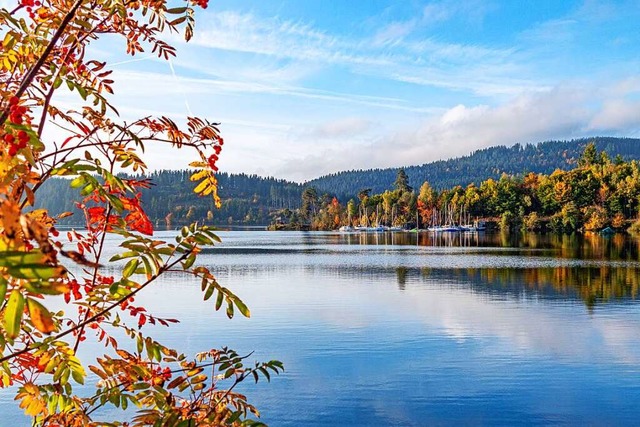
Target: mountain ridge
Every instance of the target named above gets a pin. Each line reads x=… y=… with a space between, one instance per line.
x=481 y=164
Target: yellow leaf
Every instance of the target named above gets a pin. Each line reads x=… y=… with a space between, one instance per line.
x=197 y=176
x=200 y=188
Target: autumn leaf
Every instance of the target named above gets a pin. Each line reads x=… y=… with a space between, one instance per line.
x=13 y=313
x=40 y=317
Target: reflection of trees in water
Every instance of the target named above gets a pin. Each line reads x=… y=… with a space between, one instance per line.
x=414 y=239
x=401 y=272
x=592 y=285
x=577 y=246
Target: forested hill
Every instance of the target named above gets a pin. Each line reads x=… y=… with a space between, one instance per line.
x=246 y=199
x=249 y=199
x=544 y=157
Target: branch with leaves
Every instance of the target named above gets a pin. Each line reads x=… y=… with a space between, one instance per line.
x=44 y=50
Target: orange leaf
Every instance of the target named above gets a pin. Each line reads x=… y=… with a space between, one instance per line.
x=40 y=316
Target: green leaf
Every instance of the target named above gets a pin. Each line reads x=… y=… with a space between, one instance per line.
x=78 y=182
x=265 y=373
x=219 y=300
x=229 y=309
x=242 y=307
x=209 y=292
x=113 y=289
x=12 y=258
x=130 y=268
x=13 y=314
x=3 y=289
x=148 y=269
x=139 y=344
x=36 y=271
x=176 y=10
x=189 y=261
x=123 y=255
x=77 y=376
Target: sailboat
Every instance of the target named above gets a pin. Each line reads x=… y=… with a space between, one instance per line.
x=393 y=216
x=376 y=228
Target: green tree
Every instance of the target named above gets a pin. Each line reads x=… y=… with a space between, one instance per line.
x=589 y=156
x=352 y=211
x=402 y=181
x=309 y=203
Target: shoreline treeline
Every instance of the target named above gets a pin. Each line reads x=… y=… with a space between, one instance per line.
x=599 y=192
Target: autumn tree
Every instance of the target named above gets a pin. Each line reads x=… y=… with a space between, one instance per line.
x=426 y=202
x=45 y=49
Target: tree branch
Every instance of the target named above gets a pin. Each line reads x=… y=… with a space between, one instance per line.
x=101 y=313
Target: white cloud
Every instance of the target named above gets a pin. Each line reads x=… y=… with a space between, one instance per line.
x=393 y=32
x=563 y=112
x=471 y=11
x=384 y=54
x=553 y=31
x=617 y=115
x=346 y=127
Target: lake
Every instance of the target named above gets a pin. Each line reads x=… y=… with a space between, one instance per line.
x=409 y=330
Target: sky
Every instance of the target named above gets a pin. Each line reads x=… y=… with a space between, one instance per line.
x=306 y=88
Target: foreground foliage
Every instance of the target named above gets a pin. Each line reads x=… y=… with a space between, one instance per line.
x=45 y=49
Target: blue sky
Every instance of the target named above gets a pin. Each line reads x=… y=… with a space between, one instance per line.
x=305 y=88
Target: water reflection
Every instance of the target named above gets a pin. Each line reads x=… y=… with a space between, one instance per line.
x=576 y=246
x=591 y=285
x=419 y=329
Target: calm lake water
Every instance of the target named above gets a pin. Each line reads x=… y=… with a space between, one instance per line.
x=412 y=330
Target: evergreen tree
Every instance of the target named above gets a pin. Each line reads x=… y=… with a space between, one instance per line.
x=402 y=182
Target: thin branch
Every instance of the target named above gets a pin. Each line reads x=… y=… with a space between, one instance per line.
x=102 y=312
x=95 y=271
x=31 y=74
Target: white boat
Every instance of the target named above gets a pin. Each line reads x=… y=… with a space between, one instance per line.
x=476 y=226
x=346 y=229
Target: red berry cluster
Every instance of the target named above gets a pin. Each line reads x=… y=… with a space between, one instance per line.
x=202 y=3
x=16 y=112
x=30 y=4
x=160 y=375
x=16 y=140
x=214 y=157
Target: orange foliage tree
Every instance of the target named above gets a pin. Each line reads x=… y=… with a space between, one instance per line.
x=44 y=49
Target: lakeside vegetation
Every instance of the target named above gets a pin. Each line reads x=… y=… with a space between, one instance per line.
x=599 y=192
